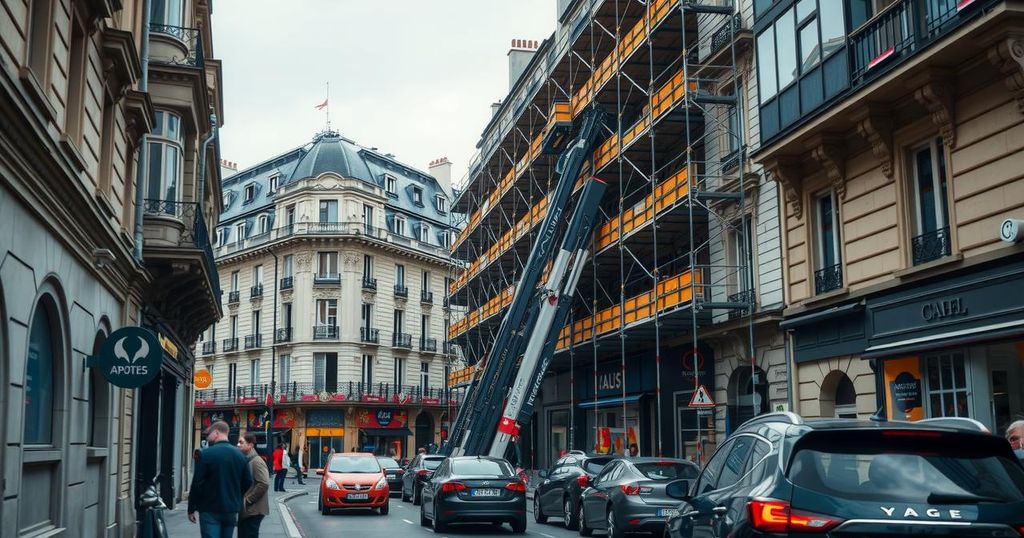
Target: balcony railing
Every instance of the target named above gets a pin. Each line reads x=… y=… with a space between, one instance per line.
x=256 y=291
x=283 y=334
x=287 y=283
x=351 y=391
x=930 y=246
x=233 y=297
x=351 y=229
x=828 y=279
x=253 y=341
x=745 y=296
x=369 y=283
x=192 y=38
x=325 y=332
x=209 y=347
x=327 y=279
x=428 y=345
x=449 y=348
x=402 y=340
x=427 y=297
x=193 y=233
x=229 y=344
x=369 y=335
x=401 y=291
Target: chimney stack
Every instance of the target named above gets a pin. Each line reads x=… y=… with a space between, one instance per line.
x=519 y=57
x=228 y=168
x=441 y=169
x=495 y=106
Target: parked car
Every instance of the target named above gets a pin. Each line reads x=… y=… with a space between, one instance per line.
x=632 y=495
x=353 y=480
x=474 y=489
x=558 y=493
x=393 y=471
x=779 y=475
x=416 y=474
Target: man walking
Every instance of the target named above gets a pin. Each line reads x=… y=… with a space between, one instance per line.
x=280 y=471
x=220 y=478
x=255 y=503
x=297 y=465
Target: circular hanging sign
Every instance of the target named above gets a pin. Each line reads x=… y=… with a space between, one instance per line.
x=130 y=357
x=202 y=378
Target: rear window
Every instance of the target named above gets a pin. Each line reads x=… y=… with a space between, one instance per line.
x=666 y=470
x=432 y=463
x=388 y=463
x=948 y=468
x=594 y=466
x=354 y=464
x=481 y=468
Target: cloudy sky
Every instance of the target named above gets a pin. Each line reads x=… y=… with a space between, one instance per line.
x=411 y=77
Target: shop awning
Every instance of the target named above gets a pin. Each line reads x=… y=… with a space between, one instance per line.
x=997 y=331
x=609 y=402
x=387 y=432
x=817 y=317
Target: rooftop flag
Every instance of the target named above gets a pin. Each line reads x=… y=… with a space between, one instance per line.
x=321 y=106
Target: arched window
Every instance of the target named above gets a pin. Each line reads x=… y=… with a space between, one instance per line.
x=99 y=400
x=838 y=396
x=747 y=395
x=263 y=224
x=40 y=374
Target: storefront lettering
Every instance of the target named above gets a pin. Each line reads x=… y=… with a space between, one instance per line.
x=939 y=310
x=609 y=381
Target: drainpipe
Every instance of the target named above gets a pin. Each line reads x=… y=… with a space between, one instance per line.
x=143 y=142
x=202 y=159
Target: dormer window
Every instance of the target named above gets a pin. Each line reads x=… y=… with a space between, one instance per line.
x=272 y=184
x=250 y=193
x=391 y=185
x=222 y=236
x=417 y=196
x=263 y=224
x=441 y=203
x=239 y=232
x=425 y=233
x=400 y=225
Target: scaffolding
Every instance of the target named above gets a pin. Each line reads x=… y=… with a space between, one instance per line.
x=657 y=278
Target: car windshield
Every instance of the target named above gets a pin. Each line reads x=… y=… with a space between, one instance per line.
x=594 y=466
x=388 y=463
x=909 y=468
x=432 y=463
x=481 y=468
x=354 y=464
x=666 y=470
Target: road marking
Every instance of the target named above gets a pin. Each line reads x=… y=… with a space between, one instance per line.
x=410 y=522
x=545 y=534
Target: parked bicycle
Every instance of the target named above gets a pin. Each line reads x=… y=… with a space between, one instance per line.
x=152 y=507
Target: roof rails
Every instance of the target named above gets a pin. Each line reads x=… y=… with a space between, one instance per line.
x=782 y=416
x=957 y=422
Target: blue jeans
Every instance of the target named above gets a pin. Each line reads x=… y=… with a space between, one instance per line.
x=217 y=525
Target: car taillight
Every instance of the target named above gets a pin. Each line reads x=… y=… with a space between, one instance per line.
x=583 y=480
x=452 y=487
x=517 y=487
x=770 y=515
x=422 y=472
x=1020 y=529
x=630 y=489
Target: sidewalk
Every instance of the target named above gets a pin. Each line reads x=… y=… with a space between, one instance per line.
x=275 y=525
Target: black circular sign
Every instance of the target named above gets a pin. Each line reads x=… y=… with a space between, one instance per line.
x=130 y=357
x=906 y=392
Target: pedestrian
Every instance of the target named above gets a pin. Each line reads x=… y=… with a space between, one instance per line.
x=279 y=469
x=220 y=479
x=255 y=506
x=297 y=465
x=634 y=450
x=1015 y=435
x=421 y=450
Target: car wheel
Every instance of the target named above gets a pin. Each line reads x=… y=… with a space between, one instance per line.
x=323 y=507
x=584 y=529
x=438 y=526
x=519 y=526
x=386 y=508
x=423 y=518
x=417 y=496
x=572 y=520
x=538 y=514
x=613 y=527
x=405 y=498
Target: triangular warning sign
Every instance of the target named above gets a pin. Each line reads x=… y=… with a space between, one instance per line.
x=702 y=398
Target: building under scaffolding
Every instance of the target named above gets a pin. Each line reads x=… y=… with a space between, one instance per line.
x=686 y=247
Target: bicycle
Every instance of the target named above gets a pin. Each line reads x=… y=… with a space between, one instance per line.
x=152 y=523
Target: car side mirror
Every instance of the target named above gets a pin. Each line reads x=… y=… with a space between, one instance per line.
x=543 y=473
x=320 y=472
x=679 y=489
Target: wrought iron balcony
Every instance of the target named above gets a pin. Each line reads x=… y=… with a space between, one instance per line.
x=233 y=297
x=283 y=334
x=402 y=340
x=327 y=279
x=325 y=332
x=724 y=34
x=293 y=391
x=256 y=291
x=428 y=345
x=369 y=283
x=189 y=51
x=287 y=283
x=209 y=347
x=253 y=341
x=745 y=296
x=930 y=246
x=369 y=335
x=401 y=291
x=427 y=297
x=229 y=344
x=828 y=279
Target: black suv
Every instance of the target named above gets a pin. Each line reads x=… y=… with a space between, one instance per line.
x=780 y=476
x=558 y=494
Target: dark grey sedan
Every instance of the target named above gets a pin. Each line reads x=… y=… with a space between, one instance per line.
x=474 y=489
x=629 y=496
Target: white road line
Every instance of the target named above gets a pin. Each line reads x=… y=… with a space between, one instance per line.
x=410 y=522
x=545 y=534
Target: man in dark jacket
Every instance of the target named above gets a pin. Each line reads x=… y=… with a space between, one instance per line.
x=219 y=480
x=257 y=505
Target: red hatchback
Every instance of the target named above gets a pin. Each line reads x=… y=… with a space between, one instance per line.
x=353 y=480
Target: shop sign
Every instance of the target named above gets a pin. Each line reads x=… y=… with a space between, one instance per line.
x=204 y=403
x=168 y=346
x=906 y=392
x=903 y=399
x=943 y=309
x=130 y=357
x=402 y=399
x=248 y=400
x=609 y=381
x=431 y=401
x=325 y=417
x=374 y=398
x=202 y=378
x=382 y=418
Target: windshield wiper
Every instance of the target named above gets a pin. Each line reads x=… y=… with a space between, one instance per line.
x=958 y=498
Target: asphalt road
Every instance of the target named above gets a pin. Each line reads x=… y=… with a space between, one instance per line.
x=403 y=520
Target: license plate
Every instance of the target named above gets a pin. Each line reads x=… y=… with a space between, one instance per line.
x=357 y=496
x=485 y=493
x=668 y=512
x=391 y=475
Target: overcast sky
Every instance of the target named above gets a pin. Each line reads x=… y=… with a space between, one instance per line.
x=410 y=77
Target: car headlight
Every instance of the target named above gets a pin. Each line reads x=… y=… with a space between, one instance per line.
x=331 y=484
x=382 y=483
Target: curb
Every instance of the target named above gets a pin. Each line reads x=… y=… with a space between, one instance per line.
x=287 y=519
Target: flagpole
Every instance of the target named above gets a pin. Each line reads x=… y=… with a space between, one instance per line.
x=328 y=107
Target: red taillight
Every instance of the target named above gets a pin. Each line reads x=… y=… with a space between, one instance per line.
x=911 y=433
x=583 y=480
x=517 y=487
x=630 y=489
x=452 y=487
x=1020 y=529
x=770 y=515
x=422 y=472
